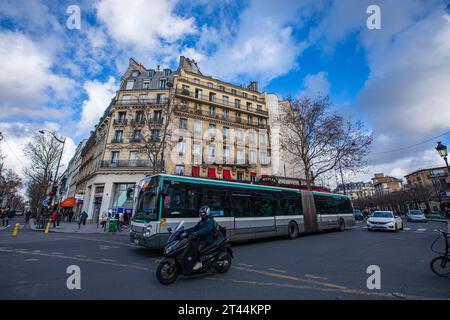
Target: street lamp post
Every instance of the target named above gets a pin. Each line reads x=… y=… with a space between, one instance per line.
x=442 y=150
x=60 y=156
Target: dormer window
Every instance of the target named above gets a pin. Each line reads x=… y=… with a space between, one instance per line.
x=135 y=73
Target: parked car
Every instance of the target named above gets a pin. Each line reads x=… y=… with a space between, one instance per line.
x=436 y=215
x=358 y=215
x=384 y=220
x=415 y=216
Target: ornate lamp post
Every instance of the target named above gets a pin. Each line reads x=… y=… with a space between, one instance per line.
x=442 y=150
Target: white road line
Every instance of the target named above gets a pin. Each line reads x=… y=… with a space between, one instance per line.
x=29 y=260
x=406 y=229
x=421 y=230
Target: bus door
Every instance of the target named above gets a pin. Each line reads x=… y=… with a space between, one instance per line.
x=309 y=211
x=244 y=221
x=264 y=205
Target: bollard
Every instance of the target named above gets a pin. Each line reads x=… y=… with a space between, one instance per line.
x=46 y=228
x=16 y=229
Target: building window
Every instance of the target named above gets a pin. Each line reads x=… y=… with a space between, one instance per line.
x=115 y=156
x=118 y=136
x=249 y=106
x=130 y=85
x=181 y=148
x=162 y=83
x=225 y=114
x=122 y=198
x=251 y=137
x=225 y=100
x=197 y=81
x=198 y=127
x=212 y=97
x=155 y=135
x=157 y=115
x=252 y=156
x=196 y=150
x=179 y=170
x=212 y=130
x=212 y=152
x=240 y=156
x=210 y=85
x=237 y=103
x=226 y=133
x=139 y=116
x=263 y=157
x=146 y=84
x=249 y=119
x=221 y=88
x=262 y=139
x=121 y=116
x=233 y=91
x=239 y=135
x=240 y=176
x=212 y=111
x=244 y=94
x=198 y=93
x=183 y=123
x=135 y=73
x=226 y=155
x=137 y=135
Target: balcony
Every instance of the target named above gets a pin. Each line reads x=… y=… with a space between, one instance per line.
x=117 y=140
x=135 y=140
x=141 y=102
x=157 y=121
x=120 y=122
x=223 y=89
x=137 y=122
x=221 y=102
x=128 y=164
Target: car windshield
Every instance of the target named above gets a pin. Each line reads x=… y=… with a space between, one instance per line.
x=382 y=214
x=415 y=212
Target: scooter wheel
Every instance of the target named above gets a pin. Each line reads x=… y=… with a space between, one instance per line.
x=225 y=264
x=167 y=271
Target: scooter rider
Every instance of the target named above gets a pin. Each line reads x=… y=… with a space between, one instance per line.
x=202 y=232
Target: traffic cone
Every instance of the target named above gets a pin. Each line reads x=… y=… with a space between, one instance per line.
x=16 y=229
x=47 y=228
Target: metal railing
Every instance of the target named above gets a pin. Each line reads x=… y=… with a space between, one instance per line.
x=224 y=89
x=128 y=163
x=117 y=140
x=142 y=102
x=217 y=116
x=120 y=122
x=221 y=102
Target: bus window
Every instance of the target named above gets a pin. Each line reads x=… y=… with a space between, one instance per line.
x=263 y=207
x=344 y=205
x=216 y=198
x=240 y=205
x=289 y=206
x=178 y=203
x=325 y=204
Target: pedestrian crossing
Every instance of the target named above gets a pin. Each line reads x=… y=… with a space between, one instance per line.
x=416 y=229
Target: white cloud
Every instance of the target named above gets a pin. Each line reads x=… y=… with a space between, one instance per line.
x=315 y=85
x=99 y=97
x=26 y=80
x=143 y=23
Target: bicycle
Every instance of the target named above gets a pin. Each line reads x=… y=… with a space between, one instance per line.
x=441 y=265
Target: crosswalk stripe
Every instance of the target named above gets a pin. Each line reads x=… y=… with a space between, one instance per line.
x=421 y=229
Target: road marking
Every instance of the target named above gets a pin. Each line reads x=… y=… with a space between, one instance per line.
x=109 y=260
x=406 y=229
x=80 y=256
x=115 y=264
x=277 y=270
x=245 y=265
x=57 y=253
x=421 y=230
x=29 y=260
x=315 y=277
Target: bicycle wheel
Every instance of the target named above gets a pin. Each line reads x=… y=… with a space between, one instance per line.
x=441 y=266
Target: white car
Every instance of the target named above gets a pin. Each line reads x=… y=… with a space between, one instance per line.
x=384 y=220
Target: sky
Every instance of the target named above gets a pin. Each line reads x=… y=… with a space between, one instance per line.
x=395 y=79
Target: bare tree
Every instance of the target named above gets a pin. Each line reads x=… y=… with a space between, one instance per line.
x=43 y=153
x=319 y=139
x=157 y=135
x=10 y=184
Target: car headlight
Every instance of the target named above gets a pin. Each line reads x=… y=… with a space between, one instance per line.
x=147 y=234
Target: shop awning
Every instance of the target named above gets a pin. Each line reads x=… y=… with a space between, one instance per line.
x=68 y=203
x=212 y=173
x=227 y=174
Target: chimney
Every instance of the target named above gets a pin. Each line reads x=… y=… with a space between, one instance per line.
x=253 y=86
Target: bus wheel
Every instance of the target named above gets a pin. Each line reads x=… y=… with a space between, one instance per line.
x=292 y=230
x=341 y=225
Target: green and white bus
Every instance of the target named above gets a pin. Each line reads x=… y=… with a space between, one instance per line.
x=248 y=211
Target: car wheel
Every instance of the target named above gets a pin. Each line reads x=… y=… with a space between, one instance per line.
x=396 y=228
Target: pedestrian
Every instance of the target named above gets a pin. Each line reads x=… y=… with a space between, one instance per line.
x=103 y=220
x=125 y=217
x=82 y=219
x=71 y=213
x=54 y=219
x=58 y=217
x=28 y=216
x=6 y=216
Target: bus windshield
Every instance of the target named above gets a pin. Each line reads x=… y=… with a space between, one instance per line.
x=147 y=204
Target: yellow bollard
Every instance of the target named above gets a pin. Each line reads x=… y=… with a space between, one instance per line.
x=46 y=228
x=16 y=229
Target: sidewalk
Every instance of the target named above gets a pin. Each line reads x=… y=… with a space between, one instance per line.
x=72 y=227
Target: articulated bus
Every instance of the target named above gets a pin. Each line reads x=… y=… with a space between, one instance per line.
x=248 y=211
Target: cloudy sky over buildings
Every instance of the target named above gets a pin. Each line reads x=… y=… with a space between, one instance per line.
x=396 y=79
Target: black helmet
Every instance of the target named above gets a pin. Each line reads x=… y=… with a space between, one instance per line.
x=204 y=212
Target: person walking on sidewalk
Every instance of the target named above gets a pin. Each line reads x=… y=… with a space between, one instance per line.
x=5 y=217
x=54 y=219
x=103 y=220
x=82 y=219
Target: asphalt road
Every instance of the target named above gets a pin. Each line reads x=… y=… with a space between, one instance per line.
x=329 y=265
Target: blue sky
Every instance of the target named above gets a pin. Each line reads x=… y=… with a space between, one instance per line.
x=394 y=79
